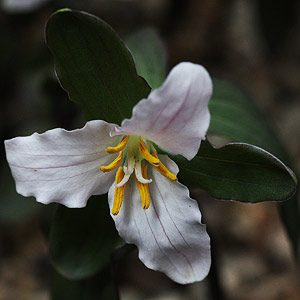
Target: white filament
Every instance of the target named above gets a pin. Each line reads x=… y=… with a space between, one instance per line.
x=133 y=165
x=138 y=173
x=128 y=172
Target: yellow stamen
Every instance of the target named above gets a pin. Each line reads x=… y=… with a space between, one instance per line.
x=118 y=148
x=119 y=192
x=114 y=164
x=145 y=153
x=163 y=170
x=143 y=189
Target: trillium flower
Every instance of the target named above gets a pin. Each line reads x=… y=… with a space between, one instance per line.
x=151 y=209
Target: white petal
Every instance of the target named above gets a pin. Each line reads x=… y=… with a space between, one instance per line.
x=63 y=166
x=175 y=116
x=169 y=234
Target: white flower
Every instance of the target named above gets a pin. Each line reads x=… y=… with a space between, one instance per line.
x=151 y=209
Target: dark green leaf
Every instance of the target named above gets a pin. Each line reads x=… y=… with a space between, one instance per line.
x=81 y=240
x=238 y=172
x=236 y=117
x=101 y=286
x=94 y=66
x=14 y=207
x=149 y=55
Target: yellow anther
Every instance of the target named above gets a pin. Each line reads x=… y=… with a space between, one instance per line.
x=114 y=164
x=143 y=189
x=119 y=192
x=146 y=154
x=118 y=148
x=163 y=170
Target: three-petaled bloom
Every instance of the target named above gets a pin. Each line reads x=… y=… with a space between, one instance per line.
x=151 y=209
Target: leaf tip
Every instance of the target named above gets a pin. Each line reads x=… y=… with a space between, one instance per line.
x=63 y=10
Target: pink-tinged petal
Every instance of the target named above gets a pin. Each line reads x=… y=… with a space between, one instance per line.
x=62 y=166
x=175 y=116
x=169 y=234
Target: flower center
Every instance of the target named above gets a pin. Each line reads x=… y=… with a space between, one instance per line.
x=134 y=156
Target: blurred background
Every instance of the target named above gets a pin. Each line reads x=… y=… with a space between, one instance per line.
x=253 y=43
